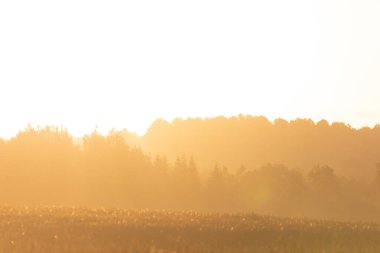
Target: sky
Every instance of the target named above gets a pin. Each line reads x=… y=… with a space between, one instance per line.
x=122 y=64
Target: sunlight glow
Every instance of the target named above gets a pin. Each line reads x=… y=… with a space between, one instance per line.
x=122 y=64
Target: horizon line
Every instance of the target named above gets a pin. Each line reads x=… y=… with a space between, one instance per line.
x=107 y=131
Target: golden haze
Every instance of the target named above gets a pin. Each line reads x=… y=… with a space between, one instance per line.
x=245 y=163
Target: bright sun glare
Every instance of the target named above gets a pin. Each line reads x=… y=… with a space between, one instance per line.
x=122 y=64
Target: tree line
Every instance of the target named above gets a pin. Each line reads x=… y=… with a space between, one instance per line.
x=254 y=141
x=43 y=166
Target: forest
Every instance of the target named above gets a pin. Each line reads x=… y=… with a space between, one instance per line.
x=288 y=169
x=253 y=141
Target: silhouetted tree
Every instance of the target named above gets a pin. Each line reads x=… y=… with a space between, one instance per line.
x=43 y=166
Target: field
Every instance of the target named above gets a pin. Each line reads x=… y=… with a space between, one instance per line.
x=63 y=229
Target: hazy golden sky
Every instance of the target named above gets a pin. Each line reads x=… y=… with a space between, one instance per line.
x=124 y=63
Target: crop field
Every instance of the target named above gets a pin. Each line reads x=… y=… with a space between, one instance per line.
x=63 y=229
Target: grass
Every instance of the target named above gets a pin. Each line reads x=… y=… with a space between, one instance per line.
x=68 y=230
